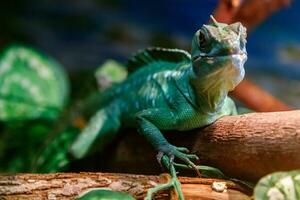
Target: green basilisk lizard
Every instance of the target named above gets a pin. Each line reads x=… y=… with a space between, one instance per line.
x=169 y=89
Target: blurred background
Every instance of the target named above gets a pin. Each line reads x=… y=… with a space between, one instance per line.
x=82 y=34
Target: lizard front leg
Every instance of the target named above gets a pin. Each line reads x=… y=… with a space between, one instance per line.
x=148 y=122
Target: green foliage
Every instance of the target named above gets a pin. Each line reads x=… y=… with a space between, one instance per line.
x=102 y=194
x=33 y=86
x=34 y=90
x=54 y=156
x=110 y=72
x=19 y=144
x=279 y=186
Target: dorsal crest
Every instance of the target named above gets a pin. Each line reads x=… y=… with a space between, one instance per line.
x=154 y=55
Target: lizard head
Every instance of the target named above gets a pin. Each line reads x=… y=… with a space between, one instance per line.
x=219 y=53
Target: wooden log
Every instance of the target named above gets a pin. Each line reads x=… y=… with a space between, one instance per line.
x=246 y=146
x=70 y=185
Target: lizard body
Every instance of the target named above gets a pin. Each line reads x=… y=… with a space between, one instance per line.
x=169 y=89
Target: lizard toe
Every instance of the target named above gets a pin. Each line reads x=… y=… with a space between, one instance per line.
x=192 y=156
x=187 y=159
x=178 y=152
x=183 y=149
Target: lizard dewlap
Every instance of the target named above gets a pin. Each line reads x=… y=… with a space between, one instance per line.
x=169 y=89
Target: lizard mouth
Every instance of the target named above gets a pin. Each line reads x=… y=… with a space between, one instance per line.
x=211 y=57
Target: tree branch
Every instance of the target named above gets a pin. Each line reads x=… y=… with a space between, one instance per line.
x=230 y=11
x=245 y=146
x=70 y=185
x=255 y=98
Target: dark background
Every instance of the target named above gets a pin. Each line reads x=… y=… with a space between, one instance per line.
x=82 y=34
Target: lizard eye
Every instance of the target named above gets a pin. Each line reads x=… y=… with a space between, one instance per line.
x=202 y=39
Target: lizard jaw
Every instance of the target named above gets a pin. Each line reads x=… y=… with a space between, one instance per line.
x=242 y=54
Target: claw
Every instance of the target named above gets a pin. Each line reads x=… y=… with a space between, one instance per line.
x=196 y=169
x=159 y=156
x=186 y=158
x=178 y=152
x=191 y=165
x=172 y=157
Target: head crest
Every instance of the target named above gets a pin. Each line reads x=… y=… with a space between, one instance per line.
x=214 y=21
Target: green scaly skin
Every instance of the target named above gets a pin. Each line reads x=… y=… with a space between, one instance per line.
x=170 y=89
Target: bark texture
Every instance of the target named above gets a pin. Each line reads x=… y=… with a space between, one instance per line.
x=246 y=146
x=70 y=185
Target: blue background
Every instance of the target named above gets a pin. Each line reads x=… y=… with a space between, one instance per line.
x=82 y=34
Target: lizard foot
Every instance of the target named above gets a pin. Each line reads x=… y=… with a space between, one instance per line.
x=181 y=153
x=173 y=182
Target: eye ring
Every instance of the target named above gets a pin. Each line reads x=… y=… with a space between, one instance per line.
x=202 y=39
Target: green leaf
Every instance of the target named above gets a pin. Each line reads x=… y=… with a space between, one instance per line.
x=104 y=194
x=109 y=73
x=33 y=86
x=54 y=157
x=23 y=141
x=279 y=186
